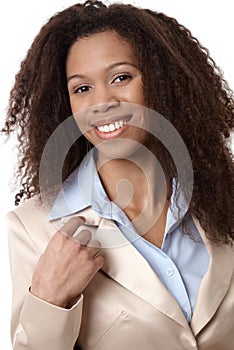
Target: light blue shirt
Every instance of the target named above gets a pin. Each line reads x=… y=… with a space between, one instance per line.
x=181 y=263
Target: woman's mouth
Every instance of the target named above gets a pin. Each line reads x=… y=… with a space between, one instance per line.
x=113 y=129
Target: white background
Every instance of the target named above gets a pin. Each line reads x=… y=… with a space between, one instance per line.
x=210 y=21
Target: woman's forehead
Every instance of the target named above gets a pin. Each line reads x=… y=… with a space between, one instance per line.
x=100 y=49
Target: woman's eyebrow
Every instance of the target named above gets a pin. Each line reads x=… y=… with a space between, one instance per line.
x=116 y=64
x=111 y=66
x=75 y=76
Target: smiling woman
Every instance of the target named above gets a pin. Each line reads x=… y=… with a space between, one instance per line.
x=131 y=251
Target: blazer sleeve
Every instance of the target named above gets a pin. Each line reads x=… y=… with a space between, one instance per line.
x=35 y=324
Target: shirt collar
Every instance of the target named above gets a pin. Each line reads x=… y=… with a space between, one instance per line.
x=83 y=188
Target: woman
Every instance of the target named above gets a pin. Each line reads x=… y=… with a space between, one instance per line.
x=125 y=254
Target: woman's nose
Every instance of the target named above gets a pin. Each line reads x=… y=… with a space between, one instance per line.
x=105 y=107
x=103 y=100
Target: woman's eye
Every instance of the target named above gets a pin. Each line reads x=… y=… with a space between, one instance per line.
x=122 y=77
x=81 y=89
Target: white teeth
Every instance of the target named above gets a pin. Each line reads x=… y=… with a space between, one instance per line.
x=101 y=128
x=117 y=125
x=112 y=127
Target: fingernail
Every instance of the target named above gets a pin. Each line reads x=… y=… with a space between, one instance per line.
x=82 y=218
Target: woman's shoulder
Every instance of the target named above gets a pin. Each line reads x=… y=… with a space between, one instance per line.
x=30 y=208
x=31 y=221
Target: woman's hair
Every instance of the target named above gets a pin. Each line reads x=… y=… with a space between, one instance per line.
x=180 y=81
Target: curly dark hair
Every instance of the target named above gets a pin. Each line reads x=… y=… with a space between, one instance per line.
x=180 y=81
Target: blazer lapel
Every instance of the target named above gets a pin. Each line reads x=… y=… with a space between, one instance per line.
x=127 y=266
x=214 y=284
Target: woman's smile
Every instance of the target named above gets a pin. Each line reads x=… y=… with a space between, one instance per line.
x=110 y=129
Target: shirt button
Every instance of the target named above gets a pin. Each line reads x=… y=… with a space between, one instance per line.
x=170 y=272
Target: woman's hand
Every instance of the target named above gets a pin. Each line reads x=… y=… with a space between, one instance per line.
x=67 y=266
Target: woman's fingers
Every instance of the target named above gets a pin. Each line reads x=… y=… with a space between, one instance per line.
x=83 y=237
x=93 y=248
x=71 y=226
x=94 y=244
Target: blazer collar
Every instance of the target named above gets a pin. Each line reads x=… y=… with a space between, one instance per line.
x=214 y=284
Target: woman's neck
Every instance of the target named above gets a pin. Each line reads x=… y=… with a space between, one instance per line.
x=138 y=186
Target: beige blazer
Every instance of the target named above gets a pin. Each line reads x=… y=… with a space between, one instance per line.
x=125 y=306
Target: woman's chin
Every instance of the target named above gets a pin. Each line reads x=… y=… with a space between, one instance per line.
x=120 y=148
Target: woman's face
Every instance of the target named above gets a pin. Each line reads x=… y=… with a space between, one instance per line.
x=106 y=92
